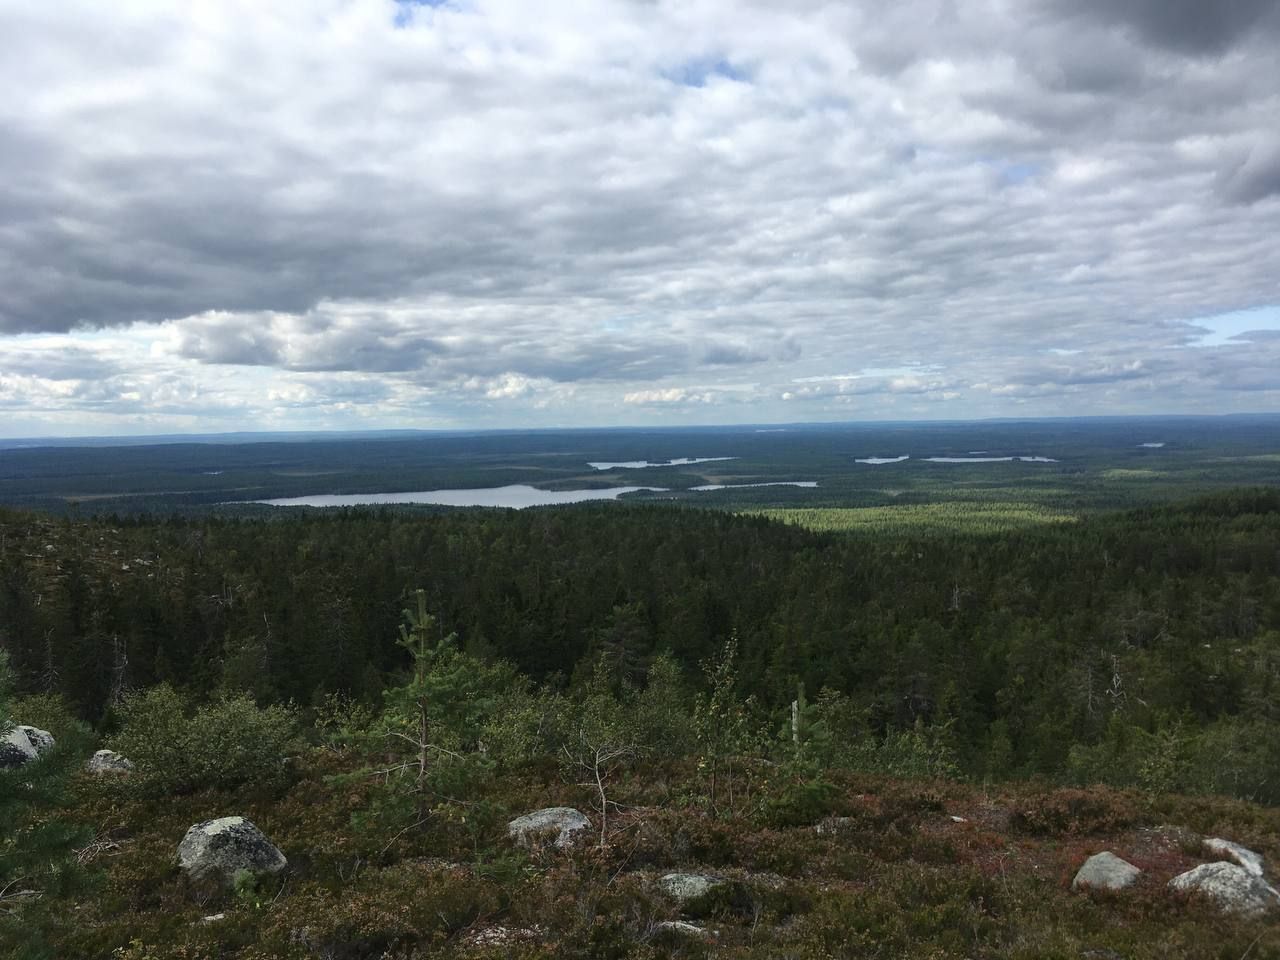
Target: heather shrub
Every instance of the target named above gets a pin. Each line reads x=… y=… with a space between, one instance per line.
x=1076 y=811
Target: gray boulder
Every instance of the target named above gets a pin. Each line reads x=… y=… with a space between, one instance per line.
x=222 y=848
x=1243 y=856
x=688 y=886
x=1106 y=871
x=16 y=748
x=109 y=763
x=1230 y=886
x=42 y=740
x=565 y=822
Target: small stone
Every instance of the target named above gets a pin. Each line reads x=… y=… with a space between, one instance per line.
x=1230 y=886
x=109 y=763
x=688 y=886
x=955 y=819
x=1242 y=856
x=682 y=927
x=834 y=825
x=565 y=822
x=1106 y=871
x=499 y=936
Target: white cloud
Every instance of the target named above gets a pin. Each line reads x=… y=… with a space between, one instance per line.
x=669 y=395
x=356 y=212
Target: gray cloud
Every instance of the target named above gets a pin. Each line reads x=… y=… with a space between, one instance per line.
x=1258 y=174
x=707 y=203
x=1185 y=26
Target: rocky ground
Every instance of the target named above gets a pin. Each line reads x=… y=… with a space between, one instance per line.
x=899 y=868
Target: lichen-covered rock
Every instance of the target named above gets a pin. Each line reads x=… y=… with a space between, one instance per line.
x=1243 y=856
x=1233 y=888
x=224 y=847
x=41 y=740
x=499 y=936
x=834 y=825
x=565 y=822
x=683 y=928
x=1106 y=871
x=688 y=886
x=109 y=763
x=16 y=748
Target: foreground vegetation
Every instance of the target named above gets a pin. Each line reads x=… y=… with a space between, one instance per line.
x=822 y=847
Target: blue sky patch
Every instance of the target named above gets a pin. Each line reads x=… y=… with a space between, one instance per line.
x=697 y=72
x=1225 y=328
x=405 y=9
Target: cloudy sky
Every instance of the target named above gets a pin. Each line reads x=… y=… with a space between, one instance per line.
x=339 y=214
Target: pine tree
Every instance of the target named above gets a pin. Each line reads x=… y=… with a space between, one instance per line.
x=433 y=723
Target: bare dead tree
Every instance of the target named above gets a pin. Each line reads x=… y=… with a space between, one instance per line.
x=596 y=758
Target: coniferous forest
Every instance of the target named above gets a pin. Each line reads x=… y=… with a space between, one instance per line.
x=858 y=743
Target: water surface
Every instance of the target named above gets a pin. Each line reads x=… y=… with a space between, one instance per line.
x=990 y=459
x=641 y=464
x=771 y=483
x=516 y=496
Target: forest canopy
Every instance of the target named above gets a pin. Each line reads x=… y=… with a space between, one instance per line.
x=1072 y=651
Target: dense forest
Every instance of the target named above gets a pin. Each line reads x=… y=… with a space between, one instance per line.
x=1065 y=651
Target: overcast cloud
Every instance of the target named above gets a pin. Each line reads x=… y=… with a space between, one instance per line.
x=347 y=213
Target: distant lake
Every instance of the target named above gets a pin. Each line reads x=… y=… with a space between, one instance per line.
x=990 y=459
x=970 y=459
x=771 y=483
x=641 y=464
x=516 y=496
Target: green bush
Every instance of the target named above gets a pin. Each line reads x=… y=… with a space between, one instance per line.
x=226 y=743
x=801 y=799
x=920 y=753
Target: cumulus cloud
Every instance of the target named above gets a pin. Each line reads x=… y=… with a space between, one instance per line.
x=669 y=395
x=350 y=212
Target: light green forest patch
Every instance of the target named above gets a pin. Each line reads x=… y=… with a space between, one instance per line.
x=959 y=517
x=1120 y=473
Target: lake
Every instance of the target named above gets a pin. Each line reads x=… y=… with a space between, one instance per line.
x=990 y=459
x=771 y=483
x=515 y=496
x=970 y=459
x=641 y=464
